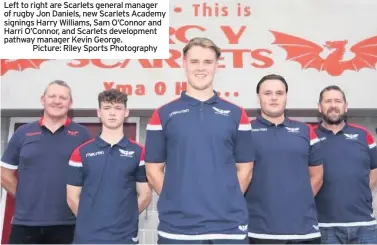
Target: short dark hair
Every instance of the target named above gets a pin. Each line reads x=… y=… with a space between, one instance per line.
x=272 y=77
x=112 y=96
x=329 y=88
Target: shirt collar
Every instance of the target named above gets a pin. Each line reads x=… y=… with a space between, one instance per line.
x=66 y=123
x=122 y=143
x=192 y=101
x=264 y=121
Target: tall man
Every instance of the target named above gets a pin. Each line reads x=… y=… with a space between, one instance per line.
x=202 y=142
x=287 y=172
x=39 y=152
x=107 y=186
x=344 y=202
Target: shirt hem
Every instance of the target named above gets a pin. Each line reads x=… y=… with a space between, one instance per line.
x=348 y=224
x=210 y=236
x=8 y=166
x=284 y=237
x=44 y=223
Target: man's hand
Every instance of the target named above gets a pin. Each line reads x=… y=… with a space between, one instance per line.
x=144 y=192
x=316 y=178
x=155 y=175
x=9 y=180
x=73 y=198
x=244 y=174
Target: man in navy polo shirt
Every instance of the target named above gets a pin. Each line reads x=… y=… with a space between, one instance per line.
x=107 y=185
x=344 y=203
x=203 y=143
x=287 y=172
x=39 y=152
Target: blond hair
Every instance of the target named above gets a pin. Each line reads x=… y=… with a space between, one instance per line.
x=204 y=43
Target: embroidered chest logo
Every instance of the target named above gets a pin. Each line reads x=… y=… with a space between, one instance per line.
x=293 y=130
x=351 y=136
x=178 y=112
x=72 y=133
x=33 y=133
x=258 y=129
x=322 y=139
x=93 y=154
x=220 y=111
x=124 y=153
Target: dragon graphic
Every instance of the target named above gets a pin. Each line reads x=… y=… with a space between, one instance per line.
x=19 y=65
x=308 y=53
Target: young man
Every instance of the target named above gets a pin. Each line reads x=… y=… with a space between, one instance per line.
x=287 y=172
x=39 y=152
x=107 y=186
x=202 y=142
x=344 y=202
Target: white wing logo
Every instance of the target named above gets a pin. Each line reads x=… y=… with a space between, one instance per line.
x=293 y=130
x=221 y=112
x=351 y=136
x=124 y=153
x=242 y=227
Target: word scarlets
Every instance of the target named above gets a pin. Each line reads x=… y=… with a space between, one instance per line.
x=231 y=58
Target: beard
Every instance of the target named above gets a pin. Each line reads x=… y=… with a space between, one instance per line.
x=331 y=120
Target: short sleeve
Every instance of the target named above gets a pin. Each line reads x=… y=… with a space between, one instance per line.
x=315 y=153
x=372 y=150
x=155 y=143
x=75 y=174
x=141 y=175
x=243 y=150
x=86 y=135
x=10 y=157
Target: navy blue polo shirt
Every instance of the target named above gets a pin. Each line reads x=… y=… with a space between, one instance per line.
x=345 y=198
x=108 y=210
x=200 y=143
x=280 y=198
x=40 y=158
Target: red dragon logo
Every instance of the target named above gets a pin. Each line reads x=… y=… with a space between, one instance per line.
x=19 y=65
x=307 y=53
